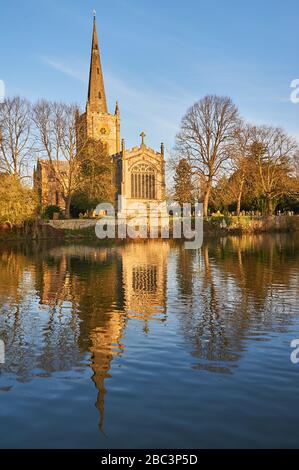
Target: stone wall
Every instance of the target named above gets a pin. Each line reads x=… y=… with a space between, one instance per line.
x=241 y=224
x=72 y=224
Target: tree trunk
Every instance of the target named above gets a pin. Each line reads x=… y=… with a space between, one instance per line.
x=240 y=197
x=269 y=205
x=206 y=199
x=67 y=207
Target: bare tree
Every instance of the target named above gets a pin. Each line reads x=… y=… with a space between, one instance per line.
x=240 y=152
x=57 y=127
x=15 y=137
x=206 y=134
x=273 y=152
x=296 y=163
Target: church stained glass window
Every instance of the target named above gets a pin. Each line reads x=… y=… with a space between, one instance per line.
x=143 y=182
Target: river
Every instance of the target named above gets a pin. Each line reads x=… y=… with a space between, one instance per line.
x=149 y=345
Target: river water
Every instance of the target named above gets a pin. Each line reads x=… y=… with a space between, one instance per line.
x=150 y=345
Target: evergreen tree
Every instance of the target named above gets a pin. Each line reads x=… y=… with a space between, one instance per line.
x=183 y=187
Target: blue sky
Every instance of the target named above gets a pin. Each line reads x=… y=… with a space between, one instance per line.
x=158 y=57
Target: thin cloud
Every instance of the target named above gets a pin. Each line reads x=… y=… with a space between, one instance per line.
x=66 y=70
x=158 y=111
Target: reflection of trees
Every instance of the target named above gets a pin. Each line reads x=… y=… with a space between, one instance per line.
x=266 y=261
x=36 y=338
x=16 y=279
x=202 y=321
x=238 y=295
x=185 y=271
x=13 y=268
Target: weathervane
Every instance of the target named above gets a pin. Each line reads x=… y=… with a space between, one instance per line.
x=94 y=14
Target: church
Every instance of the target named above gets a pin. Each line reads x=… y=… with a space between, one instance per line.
x=139 y=172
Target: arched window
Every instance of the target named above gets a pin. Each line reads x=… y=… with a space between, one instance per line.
x=143 y=182
x=145 y=279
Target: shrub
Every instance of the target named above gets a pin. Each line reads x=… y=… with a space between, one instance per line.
x=50 y=210
x=17 y=202
x=81 y=203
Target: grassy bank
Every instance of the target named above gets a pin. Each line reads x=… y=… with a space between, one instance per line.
x=257 y=224
x=217 y=225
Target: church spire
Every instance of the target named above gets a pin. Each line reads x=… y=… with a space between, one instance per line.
x=96 y=91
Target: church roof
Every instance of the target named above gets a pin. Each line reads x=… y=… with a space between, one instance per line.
x=49 y=166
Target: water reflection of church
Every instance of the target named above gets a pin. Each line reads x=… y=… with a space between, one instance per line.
x=124 y=284
x=144 y=277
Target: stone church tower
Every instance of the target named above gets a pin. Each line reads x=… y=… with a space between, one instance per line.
x=97 y=123
x=140 y=171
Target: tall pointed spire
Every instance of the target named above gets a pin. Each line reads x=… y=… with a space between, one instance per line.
x=96 y=90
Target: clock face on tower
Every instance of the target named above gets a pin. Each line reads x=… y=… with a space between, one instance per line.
x=104 y=130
